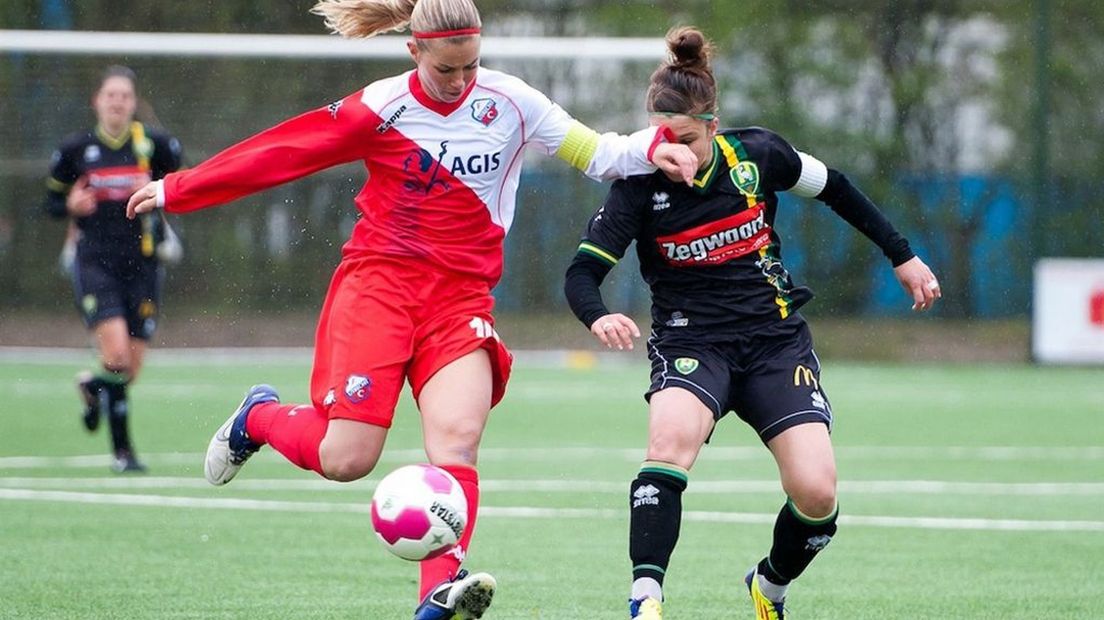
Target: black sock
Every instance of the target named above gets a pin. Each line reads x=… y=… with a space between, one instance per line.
x=797 y=540
x=118 y=412
x=655 y=501
x=96 y=388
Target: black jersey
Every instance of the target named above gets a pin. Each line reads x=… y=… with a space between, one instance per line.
x=113 y=168
x=710 y=253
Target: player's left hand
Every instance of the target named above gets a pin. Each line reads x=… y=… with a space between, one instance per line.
x=143 y=200
x=919 y=282
x=677 y=160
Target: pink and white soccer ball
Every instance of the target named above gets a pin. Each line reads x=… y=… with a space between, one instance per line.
x=419 y=511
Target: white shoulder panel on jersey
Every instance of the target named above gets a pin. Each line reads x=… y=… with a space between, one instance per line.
x=553 y=131
x=814 y=176
x=381 y=92
x=531 y=104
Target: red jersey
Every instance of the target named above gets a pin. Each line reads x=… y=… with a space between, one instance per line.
x=442 y=177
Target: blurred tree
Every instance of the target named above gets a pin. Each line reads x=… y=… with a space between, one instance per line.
x=908 y=97
x=1052 y=83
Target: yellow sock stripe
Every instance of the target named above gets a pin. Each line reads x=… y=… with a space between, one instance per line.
x=597 y=252
x=579 y=146
x=811 y=520
x=669 y=469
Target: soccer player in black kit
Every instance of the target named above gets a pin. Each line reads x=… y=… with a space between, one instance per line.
x=117 y=272
x=726 y=335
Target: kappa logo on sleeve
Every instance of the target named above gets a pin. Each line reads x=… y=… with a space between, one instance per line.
x=391 y=120
x=334 y=107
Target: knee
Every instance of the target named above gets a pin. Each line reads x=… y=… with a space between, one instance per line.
x=459 y=445
x=346 y=466
x=673 y=448
x=815 y=498
x=117 y=361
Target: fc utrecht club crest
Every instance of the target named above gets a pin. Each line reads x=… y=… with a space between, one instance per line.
x=357 y=388
x=686 y=365
x=485 y=111
x=745 y=176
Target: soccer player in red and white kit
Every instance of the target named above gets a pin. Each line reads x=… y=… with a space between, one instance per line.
x=411 y=300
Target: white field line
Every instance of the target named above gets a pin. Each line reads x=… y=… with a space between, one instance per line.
x=524 y=512
x=705 y=487
x=710 y=453
x=261 y=356
x=189 y=389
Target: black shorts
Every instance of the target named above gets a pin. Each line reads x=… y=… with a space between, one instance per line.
x=107 y=286
x=770 y=377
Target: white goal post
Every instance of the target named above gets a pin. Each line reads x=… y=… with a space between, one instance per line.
x=314 y=46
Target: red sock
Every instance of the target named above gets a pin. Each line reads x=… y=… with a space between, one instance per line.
x=446 y=566
x=294 y=431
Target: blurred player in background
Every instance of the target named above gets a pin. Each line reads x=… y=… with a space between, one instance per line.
x=114 y=265
x=443 y=144
x=726 y=335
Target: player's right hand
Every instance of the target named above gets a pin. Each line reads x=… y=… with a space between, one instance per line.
x=677 y=161
x=81 y=201
x=919 y=283
x=142 y=201
x=615 y=330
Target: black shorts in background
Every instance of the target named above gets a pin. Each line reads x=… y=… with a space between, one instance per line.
x=770 y=377
x=107 y=286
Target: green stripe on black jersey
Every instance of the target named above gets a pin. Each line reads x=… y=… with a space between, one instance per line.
x=592 y=250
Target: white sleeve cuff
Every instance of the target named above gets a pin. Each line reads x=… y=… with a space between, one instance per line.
x=161 y=194
x=814 y=176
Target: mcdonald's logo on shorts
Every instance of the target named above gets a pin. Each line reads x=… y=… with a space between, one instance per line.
x=803 y=375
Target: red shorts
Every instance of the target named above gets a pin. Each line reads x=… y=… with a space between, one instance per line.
x=384 y=321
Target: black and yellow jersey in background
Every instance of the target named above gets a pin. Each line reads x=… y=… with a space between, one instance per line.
x=710 y=253
x=114 y=168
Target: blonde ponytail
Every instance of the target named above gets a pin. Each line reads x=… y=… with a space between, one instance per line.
x=357 y=19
